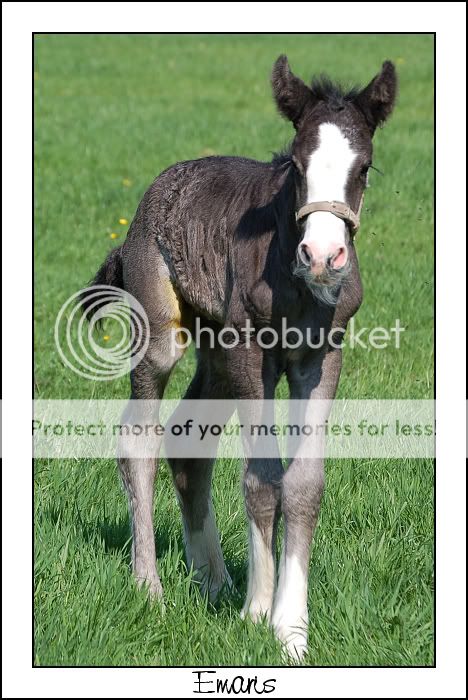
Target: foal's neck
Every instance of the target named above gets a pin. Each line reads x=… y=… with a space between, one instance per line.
x=284 y=204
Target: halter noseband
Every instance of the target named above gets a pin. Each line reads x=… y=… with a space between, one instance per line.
x=339 y=209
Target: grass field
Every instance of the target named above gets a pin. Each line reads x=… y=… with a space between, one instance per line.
x=110 y=113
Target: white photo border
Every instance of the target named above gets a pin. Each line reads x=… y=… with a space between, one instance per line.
x=447 y=20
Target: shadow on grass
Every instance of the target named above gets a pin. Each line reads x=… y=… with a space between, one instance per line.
x=115 y=537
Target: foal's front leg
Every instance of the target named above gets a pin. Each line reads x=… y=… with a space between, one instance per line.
x=252 y=381
x=315 y=380
x=262 y=479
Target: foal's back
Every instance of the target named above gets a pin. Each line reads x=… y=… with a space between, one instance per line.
x=194 y=212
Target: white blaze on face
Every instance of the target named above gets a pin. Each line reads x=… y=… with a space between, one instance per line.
x=327 y=175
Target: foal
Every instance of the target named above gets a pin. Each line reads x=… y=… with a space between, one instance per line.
x=229 y=240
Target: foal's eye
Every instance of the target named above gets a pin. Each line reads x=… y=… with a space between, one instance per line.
x=364 y=173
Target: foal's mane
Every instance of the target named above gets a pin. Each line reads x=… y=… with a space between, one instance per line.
x=336 y=94
x=282 y=159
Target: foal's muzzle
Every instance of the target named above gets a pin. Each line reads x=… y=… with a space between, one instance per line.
x=319 y=264
x=324 y=259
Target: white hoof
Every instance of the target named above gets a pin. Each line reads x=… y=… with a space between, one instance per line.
x=293 y=637
x=294 y=644
x=257 y=610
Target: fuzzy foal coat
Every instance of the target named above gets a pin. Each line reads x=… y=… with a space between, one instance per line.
x=216 y=238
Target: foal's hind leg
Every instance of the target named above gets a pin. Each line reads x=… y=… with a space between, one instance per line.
x=138 y=465
x=192 y=479
x=146 y=277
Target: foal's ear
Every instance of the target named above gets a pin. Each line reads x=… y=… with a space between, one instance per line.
x=378 y=98
x=290 y=93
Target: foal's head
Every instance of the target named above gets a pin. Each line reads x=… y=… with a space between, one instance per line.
x=331 y=153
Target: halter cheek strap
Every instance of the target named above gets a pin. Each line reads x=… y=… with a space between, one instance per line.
x=339 y=209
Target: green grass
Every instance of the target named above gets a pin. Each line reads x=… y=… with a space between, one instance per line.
x=114 y=108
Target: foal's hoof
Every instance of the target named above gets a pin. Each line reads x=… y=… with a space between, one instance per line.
x=153 y=586
x=296 y=647
x=256 y=610
x=293 y=639
x=215 y=589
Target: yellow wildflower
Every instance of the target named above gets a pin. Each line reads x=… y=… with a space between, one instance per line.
x=124 y=222
x=207 y=152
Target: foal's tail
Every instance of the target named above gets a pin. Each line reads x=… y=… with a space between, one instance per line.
x=111 y=274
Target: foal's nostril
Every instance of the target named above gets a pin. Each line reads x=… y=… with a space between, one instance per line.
x=305 y=254
x=338 y=259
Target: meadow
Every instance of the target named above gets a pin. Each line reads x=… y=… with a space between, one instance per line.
x=111 y=112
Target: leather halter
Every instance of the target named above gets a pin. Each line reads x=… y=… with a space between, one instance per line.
x=339 y=209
